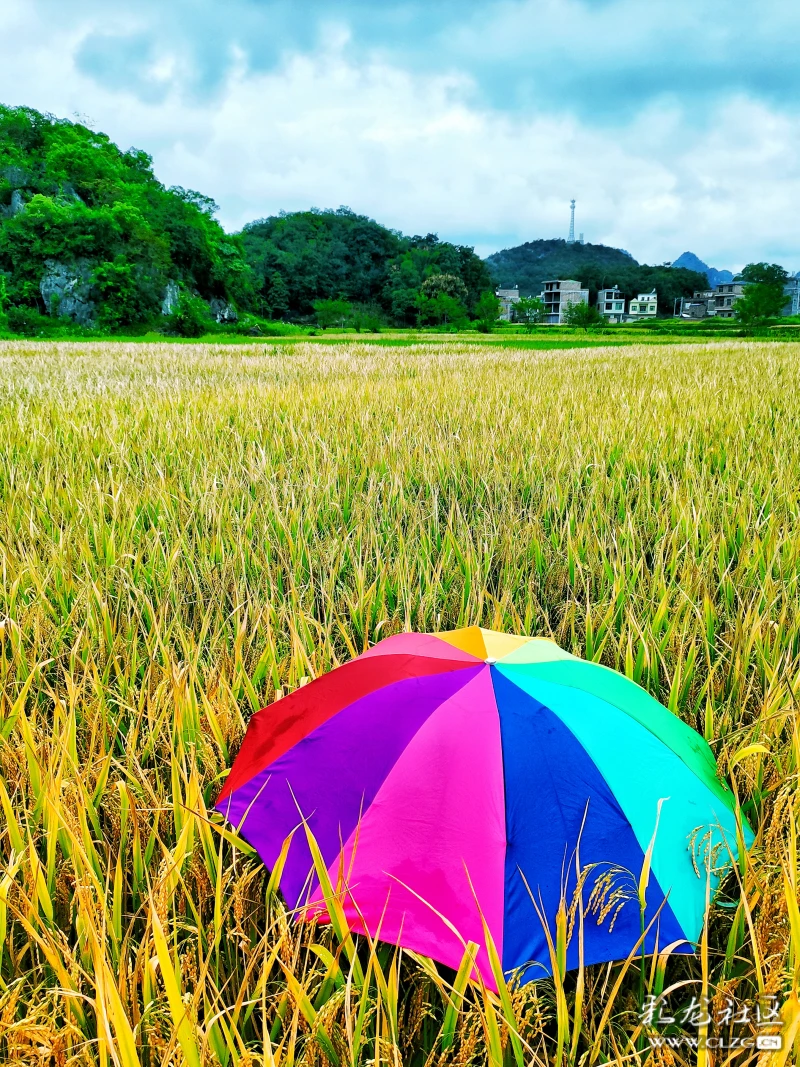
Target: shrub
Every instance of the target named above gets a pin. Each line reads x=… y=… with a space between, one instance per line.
x=367 y=319
x=332 y=312
x=191 y=317
x=30 y=322
x=583 y=316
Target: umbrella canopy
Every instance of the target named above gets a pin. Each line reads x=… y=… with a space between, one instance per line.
x=471 y=775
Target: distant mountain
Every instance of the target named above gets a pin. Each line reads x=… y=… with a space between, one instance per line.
x=715 y=277
x=529 y=265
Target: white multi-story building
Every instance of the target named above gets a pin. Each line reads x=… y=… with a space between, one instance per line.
x=507 y=298
x=644 y=306
x=611 y=304
x=558 y=294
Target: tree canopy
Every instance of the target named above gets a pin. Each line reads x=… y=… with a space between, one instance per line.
x=303 y=257
x=763 y=298
x=529 y=310
x=582 y=315
x=764 y=274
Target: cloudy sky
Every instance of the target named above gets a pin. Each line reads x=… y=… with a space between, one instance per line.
x=674 y=123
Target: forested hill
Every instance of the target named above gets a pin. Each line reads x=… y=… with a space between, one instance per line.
x=302 y=257
x=89 y=234
x=91 y=240
x=595 y=266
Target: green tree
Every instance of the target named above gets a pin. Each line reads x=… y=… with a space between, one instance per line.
x=582 y=315
x=445 y=285
x=3 y=298
x=332 y=312
x=402 y=301
x=487 y=311
x=763 y=299
x=329 y=255
x=759 y=303
x=278 y=296
x=442 y=310
x=529 y=310
x=764 y=274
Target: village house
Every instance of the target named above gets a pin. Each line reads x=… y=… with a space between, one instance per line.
x=645 y=306
x=719 y=302
x=507 y=298
x=697 y=307
x=557 y=296
x=725 y=296
x=611 y=304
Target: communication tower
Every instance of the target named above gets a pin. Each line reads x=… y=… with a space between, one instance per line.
x=571 y=238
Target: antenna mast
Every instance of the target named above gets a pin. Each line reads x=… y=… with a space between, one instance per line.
x=571 y=238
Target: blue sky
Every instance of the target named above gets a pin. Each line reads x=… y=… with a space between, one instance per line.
x=675 y=124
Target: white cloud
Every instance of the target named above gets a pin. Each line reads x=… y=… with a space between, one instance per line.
x=424 y=151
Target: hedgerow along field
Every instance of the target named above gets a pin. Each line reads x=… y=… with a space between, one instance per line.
x=189 y=532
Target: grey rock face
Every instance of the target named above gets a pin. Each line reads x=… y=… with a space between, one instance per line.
x=66 y=289
x=15 y=176
x=222 y=311
x=172 y=295
x=17 y=204
x=17 y=179
x=67 y=192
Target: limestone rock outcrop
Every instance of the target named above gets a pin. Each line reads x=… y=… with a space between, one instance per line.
x=172 y=295
x=67 y=290
x=223 y=312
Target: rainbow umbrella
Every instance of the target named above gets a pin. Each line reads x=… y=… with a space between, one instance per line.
x=472 y=777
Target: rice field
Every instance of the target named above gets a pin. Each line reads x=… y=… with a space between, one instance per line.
x=187 y=533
